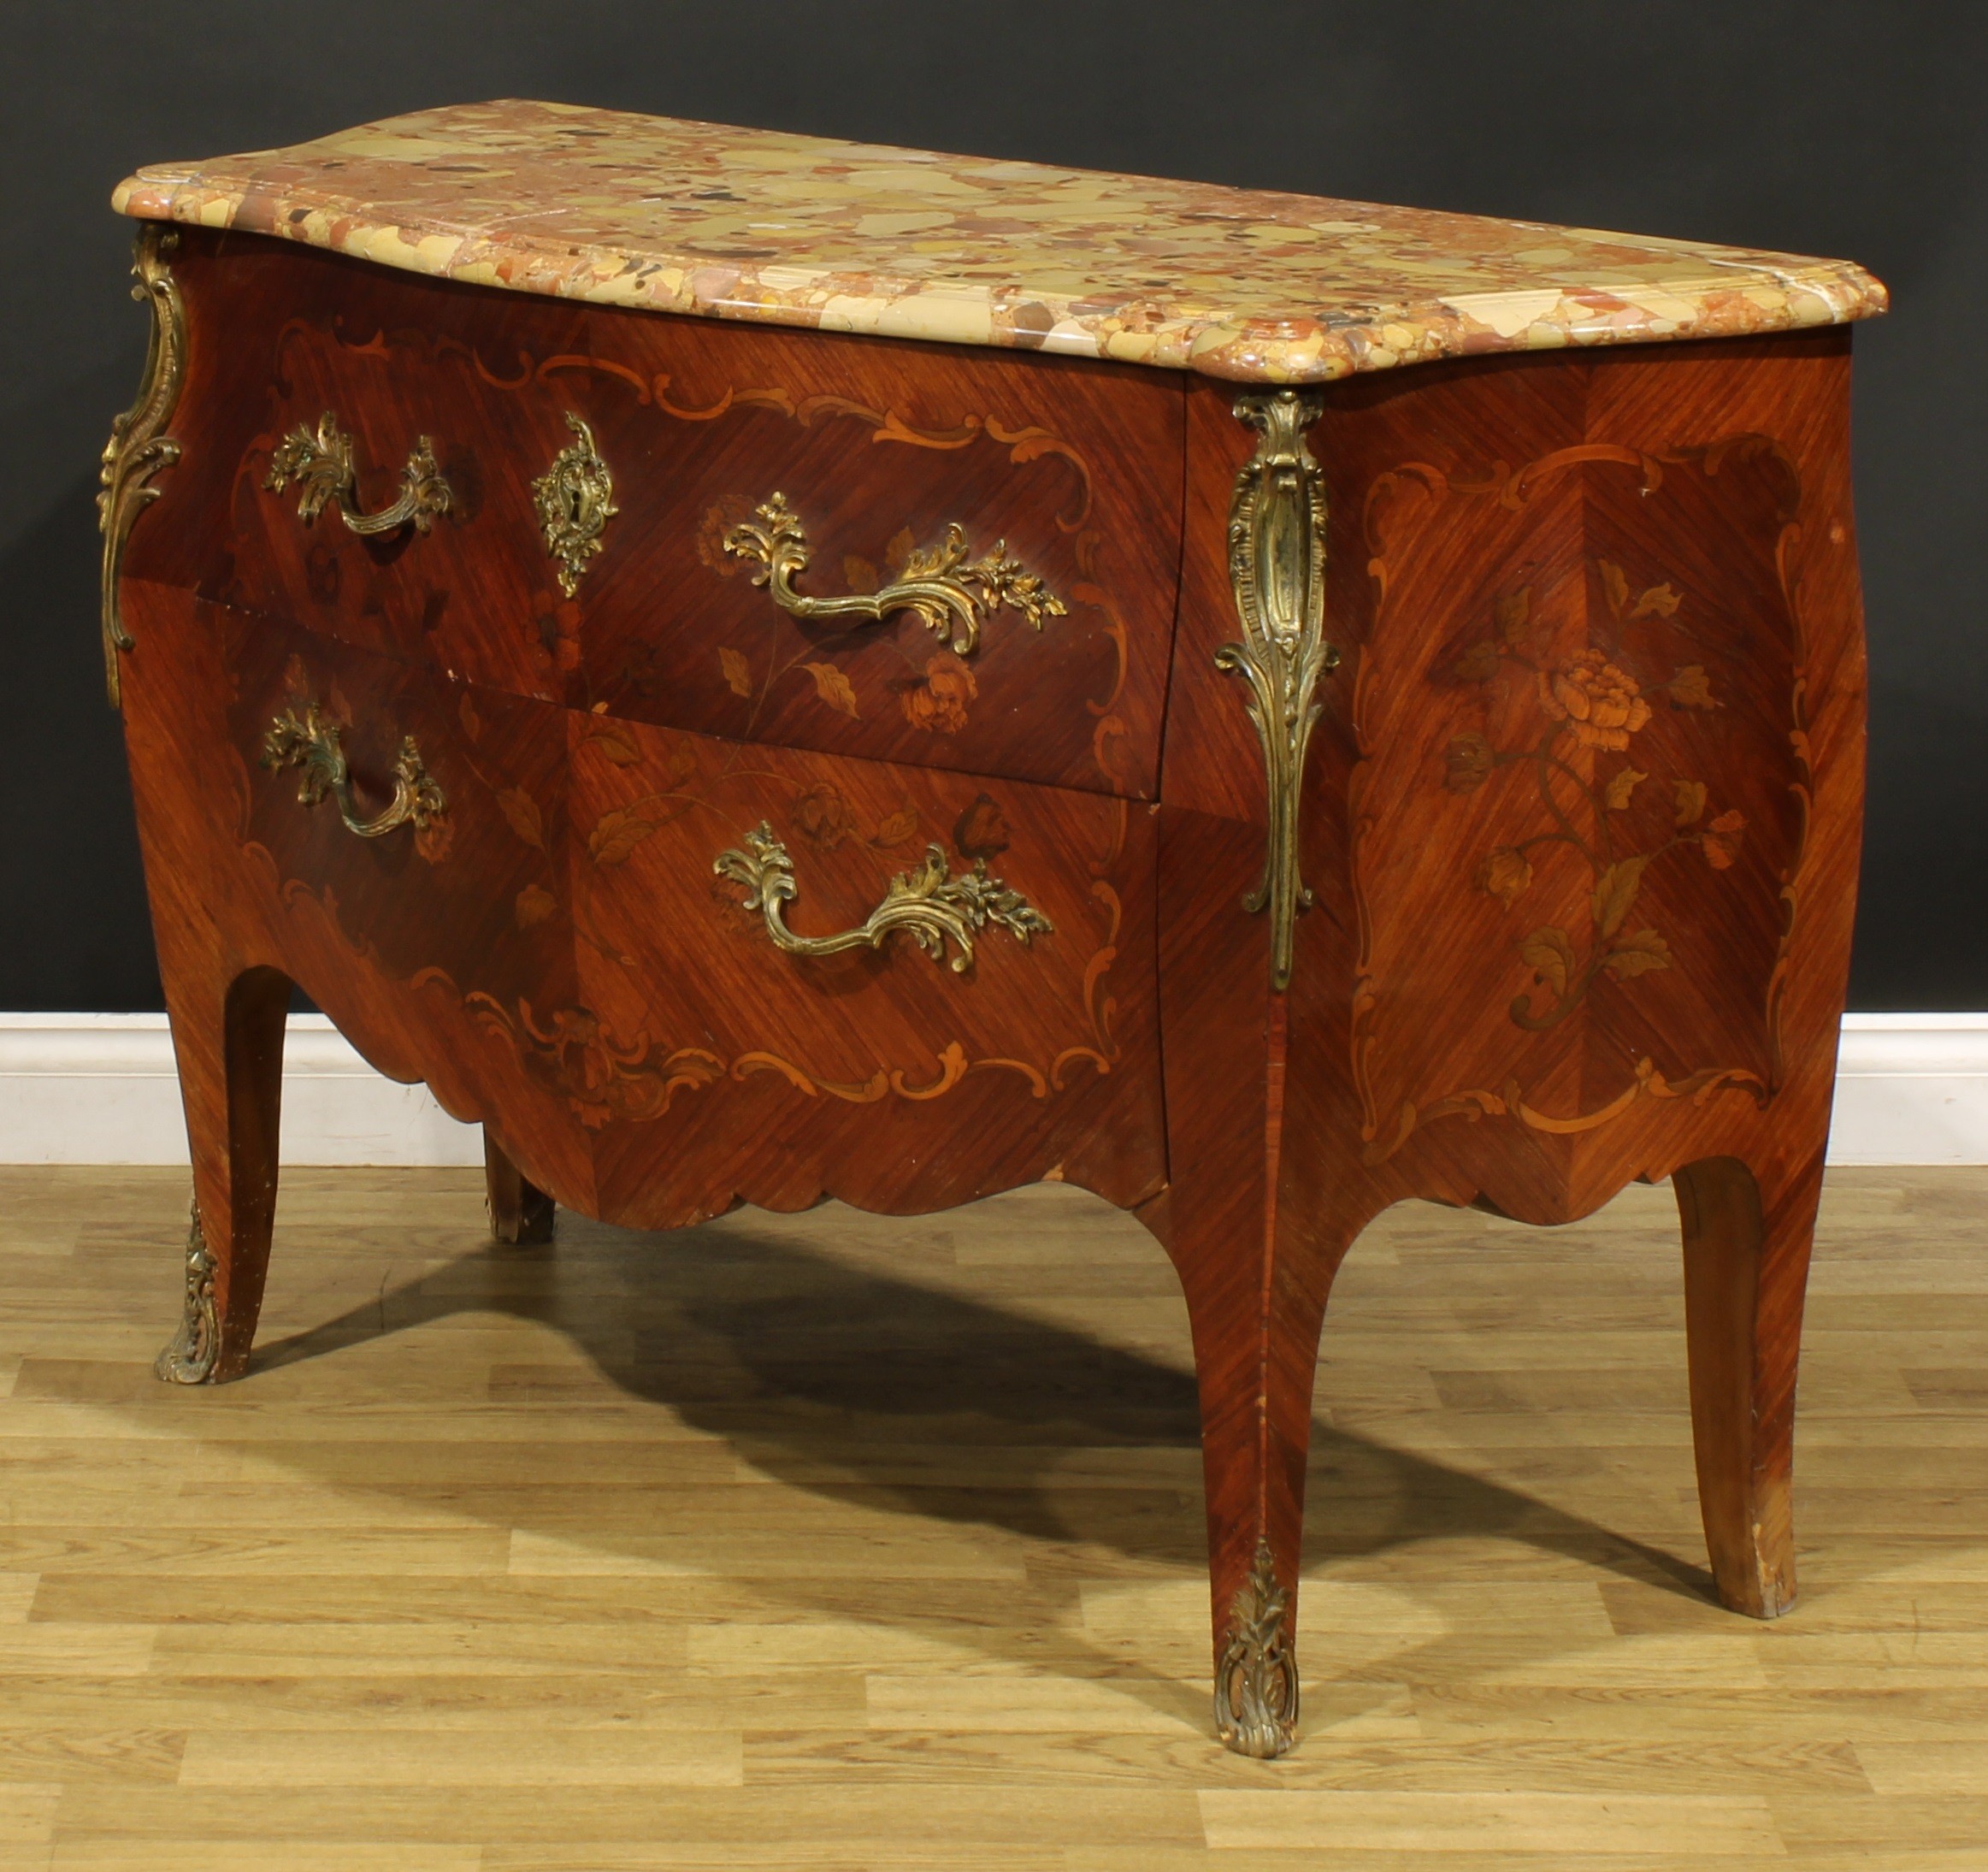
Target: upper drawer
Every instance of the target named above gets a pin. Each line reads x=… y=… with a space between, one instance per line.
x=1003 y=532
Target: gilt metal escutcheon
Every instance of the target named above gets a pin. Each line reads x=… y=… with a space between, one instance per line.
x=575 y=498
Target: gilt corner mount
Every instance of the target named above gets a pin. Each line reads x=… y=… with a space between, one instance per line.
x=139 y=446
x=1277 y=567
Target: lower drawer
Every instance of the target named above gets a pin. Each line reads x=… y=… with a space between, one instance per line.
x=662 y=927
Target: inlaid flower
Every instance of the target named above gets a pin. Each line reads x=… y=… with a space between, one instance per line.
x=1467 y=762
x=937 y=701
x=1506 y=873
x=824 y=817
x=982 y=830
x=1602 y=702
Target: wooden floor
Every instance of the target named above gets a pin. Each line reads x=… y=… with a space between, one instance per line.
x=826 y=1542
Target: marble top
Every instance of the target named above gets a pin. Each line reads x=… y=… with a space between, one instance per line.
x=718 y=222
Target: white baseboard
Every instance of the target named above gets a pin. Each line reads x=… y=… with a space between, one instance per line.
x=99 y=1088
x=1911 y=1089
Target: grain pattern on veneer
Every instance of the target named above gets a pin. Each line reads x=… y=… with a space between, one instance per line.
x=1072 y=467
x=1580 y=815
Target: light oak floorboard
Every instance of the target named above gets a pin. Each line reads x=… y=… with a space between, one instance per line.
x=833 y=1543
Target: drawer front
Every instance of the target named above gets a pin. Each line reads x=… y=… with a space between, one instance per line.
x=468 y=883
x=889 y=551
x=713 y=961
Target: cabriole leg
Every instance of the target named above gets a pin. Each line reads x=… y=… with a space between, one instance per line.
x=1747 y=1244
x=228 y=1041
x=521 y=1214
x=1255 y=1353
x=1253 y=1462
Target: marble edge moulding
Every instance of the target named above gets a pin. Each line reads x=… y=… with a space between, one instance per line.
x=567 y=201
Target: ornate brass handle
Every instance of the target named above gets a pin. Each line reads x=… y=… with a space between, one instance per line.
x=322 y=465
x=949 y=592
x=313 y=745
x=927 y=904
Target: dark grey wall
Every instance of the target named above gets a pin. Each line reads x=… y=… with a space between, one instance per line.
x=1856 y=127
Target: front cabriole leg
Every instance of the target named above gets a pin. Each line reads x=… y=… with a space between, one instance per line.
x=1255 y=1264
x=228 y=1041
x=1747 y=1242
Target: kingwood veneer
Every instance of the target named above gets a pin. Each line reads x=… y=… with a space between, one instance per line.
x=1250 y=781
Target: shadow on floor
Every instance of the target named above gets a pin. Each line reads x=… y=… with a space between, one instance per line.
x=871 y=1389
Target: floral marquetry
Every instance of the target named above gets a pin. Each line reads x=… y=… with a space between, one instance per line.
x=1618 y=741
x=1257 y=807
x=1590 y=708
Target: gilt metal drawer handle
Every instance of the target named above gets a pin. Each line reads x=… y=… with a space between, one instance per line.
x=949 y=592
x=925 y=903
x=312 y=744
x=322 y=467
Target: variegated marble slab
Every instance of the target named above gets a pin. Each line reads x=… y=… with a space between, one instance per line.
x=755 y=224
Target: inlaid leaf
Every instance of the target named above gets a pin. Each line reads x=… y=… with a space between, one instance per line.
x=466 y=713
x=898 y=553
x=1658 y=601
x=833 y=686
x=738 y=671
x=1721 y=839
x=1614 y=585
x=1478 y=663
x=616 y=744
x=1620 y=786
x=535 y=904
x=858 y=574
x=1691 y=798
x=618 y=833
x=1690 y=688
x=522 y=811
x=899 y=829
x=1550 y=956
x=1615 y=892
x=1638 y=953
x=433 y=840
